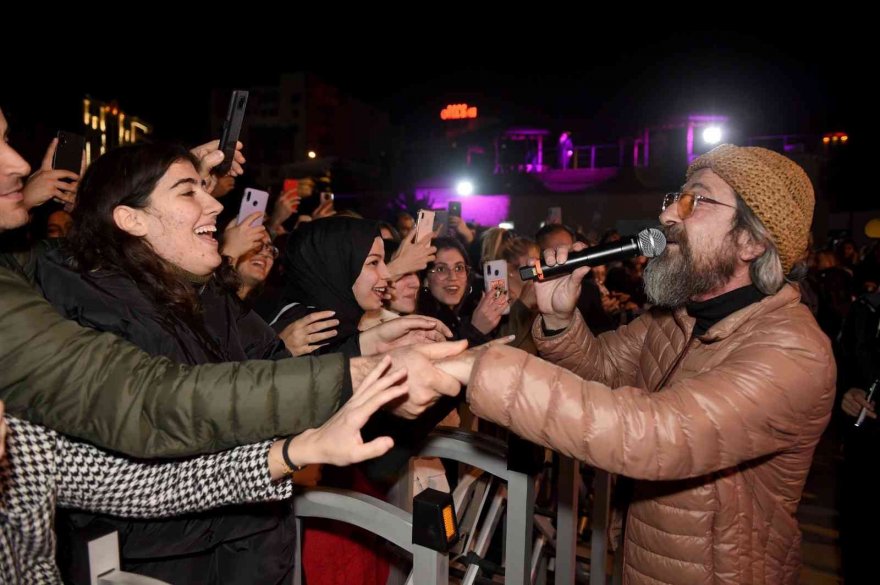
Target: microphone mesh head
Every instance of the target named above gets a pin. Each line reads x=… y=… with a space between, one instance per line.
x=651 y=242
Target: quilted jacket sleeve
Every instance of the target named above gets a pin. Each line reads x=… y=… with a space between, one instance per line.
x=612 y=358
x=774 y=391
x=97 y=387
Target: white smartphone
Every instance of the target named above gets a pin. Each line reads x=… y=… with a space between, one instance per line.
x=253 y=200
x=495 y=279
x=424 y=224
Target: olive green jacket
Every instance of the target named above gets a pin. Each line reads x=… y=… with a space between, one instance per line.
x=100 y=388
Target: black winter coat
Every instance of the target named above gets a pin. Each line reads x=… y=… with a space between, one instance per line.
x=232 y=545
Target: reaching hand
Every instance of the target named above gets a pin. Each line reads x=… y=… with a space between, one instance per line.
x=324 y=209
x=210 y=156
x=338 y=441
x=461 y=228
x=854 y=400
x=285 y=206
x=401 y=332
x=239 y=239
x=305 y=335
x=427 y=384
x=461 y=366
x=48 y=183
x=412 y=255
x=557 y=299
x=488 y=313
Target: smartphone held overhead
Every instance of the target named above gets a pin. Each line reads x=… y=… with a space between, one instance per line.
x=231 y=130
x=69 y=152
x=424 y=224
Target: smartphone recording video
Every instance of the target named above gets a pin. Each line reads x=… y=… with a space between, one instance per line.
x=231 y=130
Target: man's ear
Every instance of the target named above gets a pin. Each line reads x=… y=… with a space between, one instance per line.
x=130 y=220
x=749 y=250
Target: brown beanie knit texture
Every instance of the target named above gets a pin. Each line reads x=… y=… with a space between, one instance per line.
x=774 y=187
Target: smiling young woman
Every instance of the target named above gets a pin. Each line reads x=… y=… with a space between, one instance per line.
x=142 y=262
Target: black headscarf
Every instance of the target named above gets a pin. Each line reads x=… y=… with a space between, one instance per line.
x=322 y=260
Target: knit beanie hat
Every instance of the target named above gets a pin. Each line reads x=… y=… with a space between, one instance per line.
x=774 y=187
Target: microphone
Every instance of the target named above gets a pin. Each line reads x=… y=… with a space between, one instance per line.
x=649 y=242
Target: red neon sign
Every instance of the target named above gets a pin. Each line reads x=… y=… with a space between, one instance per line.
x=458 y=112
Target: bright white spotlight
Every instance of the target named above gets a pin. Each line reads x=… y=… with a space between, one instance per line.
x=506 y=225
x=712 y=135
x=464 y=188
x=312 y=154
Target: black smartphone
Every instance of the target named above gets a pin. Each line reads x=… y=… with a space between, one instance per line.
x=69 y=152
x=441 y=221
x=454 y=209
x=231 y=130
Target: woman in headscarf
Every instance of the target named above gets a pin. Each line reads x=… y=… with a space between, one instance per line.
x=324 y=260
x=338 y=264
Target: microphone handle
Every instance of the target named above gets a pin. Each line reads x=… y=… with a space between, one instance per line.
x=589 y=257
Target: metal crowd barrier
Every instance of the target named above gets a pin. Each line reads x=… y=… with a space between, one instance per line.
x=430 y=565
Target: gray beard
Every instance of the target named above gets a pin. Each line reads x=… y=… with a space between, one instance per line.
x=672 y=279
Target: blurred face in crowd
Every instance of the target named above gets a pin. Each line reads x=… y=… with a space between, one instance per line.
x=254 y=267
x=180 y=221
x=702 y=251
x=405 y=294
x=448 y=278
x=825 y=259
x=58 y=224
x=515 y=284
x=557 y=239
x=386 y=233
x=13 y=171
x=372 y=283
x=405 y=224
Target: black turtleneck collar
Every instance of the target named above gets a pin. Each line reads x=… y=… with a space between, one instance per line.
x=707 y=313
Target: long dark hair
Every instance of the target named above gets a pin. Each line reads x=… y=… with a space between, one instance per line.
x=126 y=176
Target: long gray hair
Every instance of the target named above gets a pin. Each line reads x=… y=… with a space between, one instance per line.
x=766 y=270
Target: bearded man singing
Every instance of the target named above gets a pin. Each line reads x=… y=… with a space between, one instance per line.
x=713 y=401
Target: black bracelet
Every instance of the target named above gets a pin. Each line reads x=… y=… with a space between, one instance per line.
x=290 y=464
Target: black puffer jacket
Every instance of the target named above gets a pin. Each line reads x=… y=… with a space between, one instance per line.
x=247 y=544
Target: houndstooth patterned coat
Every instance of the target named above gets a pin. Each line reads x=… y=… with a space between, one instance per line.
x=43 y=469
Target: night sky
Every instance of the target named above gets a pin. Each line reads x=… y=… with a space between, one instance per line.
x=603 y=87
